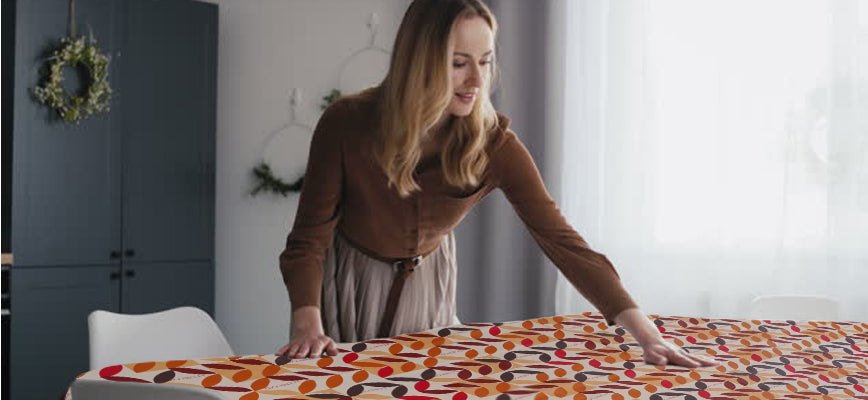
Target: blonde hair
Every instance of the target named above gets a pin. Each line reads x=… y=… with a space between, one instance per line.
x=417 y=91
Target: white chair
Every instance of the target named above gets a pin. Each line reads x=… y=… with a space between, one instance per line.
x=180 y=333
x=795 y=307
x=88 y=389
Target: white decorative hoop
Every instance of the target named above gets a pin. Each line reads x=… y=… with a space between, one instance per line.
x=371 y=47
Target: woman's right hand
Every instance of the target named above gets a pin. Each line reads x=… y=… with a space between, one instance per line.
x=306 y=336
x=308 y=345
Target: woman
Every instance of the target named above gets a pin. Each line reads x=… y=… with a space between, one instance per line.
x=392 y=171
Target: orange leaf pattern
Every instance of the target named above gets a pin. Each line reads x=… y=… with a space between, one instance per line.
x=576 y=357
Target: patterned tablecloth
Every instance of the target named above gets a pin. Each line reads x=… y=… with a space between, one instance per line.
x=575 y=357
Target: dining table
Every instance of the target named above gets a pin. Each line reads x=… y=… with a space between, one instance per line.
x=568 y=356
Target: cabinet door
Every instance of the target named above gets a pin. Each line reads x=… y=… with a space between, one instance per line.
x=49 y=325
x=66 y=190
x=150 y=287
x=169 y=130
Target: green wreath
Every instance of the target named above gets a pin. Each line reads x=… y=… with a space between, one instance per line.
x=266 y=181
x=75 y=52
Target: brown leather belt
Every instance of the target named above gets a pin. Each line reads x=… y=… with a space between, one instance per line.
x=405 y=268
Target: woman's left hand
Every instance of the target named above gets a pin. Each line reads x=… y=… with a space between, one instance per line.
x=661 y=352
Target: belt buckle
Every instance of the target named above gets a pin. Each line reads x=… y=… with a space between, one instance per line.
x=409 y=264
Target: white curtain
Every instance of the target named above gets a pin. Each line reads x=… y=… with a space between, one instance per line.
x=718 y=150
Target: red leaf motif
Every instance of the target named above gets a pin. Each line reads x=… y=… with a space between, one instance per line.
x=411 y=355
x=385 y=371
x=483 y=380
x=472 y=343
x=388 y=359
x=541 y=386
x=192 y=371
x=109 y=371
x=491 y=340
x=252 y=362
x=230 y=389
x=314 y=373
x=222 y=366
x=287 y=378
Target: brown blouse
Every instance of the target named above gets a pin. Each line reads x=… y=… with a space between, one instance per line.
x=345 y=189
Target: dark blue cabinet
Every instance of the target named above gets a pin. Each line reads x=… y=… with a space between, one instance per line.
x=169 y=61
x=49 y=331
x=117 y=212
x=174 y=282
x=66 y=183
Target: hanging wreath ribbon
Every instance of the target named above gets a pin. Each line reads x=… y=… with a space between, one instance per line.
x=76 y=52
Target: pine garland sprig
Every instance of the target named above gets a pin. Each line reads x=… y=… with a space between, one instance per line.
x=330 y=98
x=266 y=181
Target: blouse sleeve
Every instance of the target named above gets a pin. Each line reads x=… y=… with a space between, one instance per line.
x=516 y=174
x=318 y=212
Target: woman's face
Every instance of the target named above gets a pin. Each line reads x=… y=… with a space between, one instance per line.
x=471 y=63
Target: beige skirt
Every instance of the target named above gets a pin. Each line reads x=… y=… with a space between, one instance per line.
x=356 y=288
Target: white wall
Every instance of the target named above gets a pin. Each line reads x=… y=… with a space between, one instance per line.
x=266 y=48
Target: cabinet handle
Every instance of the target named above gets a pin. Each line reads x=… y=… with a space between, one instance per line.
x=129 y=252
x=115 y=255
x=130 y=273
x=114 y=276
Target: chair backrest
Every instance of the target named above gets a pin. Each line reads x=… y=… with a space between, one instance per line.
x=795 y=307
x=88 y=389
x=179 y=333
